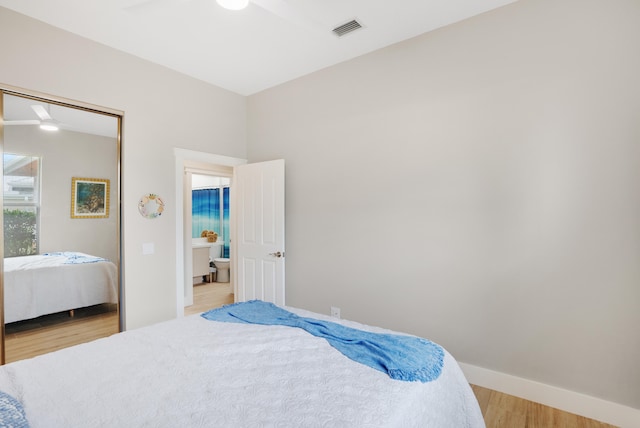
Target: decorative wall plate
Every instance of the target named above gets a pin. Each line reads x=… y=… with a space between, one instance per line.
x=150 y=206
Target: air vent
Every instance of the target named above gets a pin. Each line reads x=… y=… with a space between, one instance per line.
x=343 y=29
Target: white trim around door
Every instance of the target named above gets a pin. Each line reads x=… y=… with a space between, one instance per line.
x=183 y=156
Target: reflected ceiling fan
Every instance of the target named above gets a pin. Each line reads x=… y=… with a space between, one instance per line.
x=45 y=122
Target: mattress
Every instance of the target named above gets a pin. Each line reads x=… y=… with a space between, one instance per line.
x=193 y=372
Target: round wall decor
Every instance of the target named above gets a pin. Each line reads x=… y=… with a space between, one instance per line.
x=150 y=206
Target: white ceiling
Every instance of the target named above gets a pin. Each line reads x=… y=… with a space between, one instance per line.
x=71 y=119
x=266 y=44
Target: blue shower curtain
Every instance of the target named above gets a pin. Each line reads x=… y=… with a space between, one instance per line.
x=205 y=211
x=206 y=215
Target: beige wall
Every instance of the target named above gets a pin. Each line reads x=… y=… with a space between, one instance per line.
x=66 y=155
x=479 y=186
x=162 y=110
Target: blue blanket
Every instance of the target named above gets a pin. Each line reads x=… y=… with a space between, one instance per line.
x=76 y=258
x=407 y=358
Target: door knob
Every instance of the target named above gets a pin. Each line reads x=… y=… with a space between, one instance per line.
x=277 y=254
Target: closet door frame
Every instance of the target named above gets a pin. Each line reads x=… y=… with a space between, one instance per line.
x=116 y=206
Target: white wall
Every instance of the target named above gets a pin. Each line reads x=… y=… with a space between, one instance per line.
x=66 y=155
x=478 y=185
x=162 y=110
x=508 y=145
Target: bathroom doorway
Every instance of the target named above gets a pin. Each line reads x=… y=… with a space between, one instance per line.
x=211 y=239
x=256 y=201
x=188 y=162
x=207 y=231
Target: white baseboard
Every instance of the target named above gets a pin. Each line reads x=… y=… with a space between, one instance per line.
x=568 y=401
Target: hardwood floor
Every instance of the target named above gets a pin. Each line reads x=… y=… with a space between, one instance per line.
x=506 y=411
x=499 y=410
x=210 y=295
x=50 y=333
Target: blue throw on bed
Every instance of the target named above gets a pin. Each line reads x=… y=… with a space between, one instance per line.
x=407 y=358
x=76 y=258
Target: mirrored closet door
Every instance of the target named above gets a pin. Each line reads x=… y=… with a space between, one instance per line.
x=61 y=224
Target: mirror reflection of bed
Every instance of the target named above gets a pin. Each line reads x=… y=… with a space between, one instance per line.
x=61 y=251
x=55 y=300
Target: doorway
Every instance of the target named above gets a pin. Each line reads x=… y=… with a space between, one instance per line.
x=257 y=203
x=210 y=234
x=188 y=163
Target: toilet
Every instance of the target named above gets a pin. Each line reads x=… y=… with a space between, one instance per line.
x=222 y=267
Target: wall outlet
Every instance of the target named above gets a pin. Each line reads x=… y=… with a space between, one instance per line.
x=335 y=312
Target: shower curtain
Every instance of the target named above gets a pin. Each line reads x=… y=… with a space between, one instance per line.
x=206 y=214
x=205 y=211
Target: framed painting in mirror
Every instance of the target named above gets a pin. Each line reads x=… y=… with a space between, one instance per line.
x=89 y=198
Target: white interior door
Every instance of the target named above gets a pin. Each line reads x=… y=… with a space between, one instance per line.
x=258 y=197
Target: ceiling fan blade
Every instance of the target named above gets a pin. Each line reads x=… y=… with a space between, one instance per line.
x=42 y=113
x=285 y=11
x=21 y=122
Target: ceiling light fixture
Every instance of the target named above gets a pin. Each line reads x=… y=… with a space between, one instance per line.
x=49 y=125
x=233 y=4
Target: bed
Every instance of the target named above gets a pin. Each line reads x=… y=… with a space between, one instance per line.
x=55 y=282
x=198 y=372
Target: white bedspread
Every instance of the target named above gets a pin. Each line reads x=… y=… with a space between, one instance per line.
x=192 y=372
x=40 y=285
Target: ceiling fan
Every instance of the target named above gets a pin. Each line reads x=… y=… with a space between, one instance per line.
x=45 y=122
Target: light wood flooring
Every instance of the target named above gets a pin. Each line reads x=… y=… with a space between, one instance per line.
x=506 y=411
x=50 y=333
x=499 y=410
x=210 y=295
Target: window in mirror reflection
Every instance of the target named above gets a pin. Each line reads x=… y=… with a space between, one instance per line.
x=21 y=204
